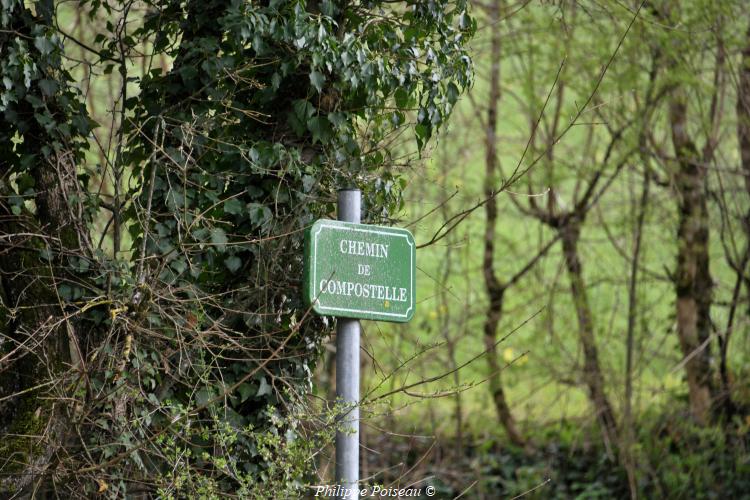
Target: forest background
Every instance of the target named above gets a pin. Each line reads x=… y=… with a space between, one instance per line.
x=619 y=126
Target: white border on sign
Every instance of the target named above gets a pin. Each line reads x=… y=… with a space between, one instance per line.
x=375 y=231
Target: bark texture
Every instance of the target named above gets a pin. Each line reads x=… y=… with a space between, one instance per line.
x=743 y=112
x=592 y=374
x=39 y=344
x=495 y=290
x=42 y=343
x=693 y=285
x=743 y=133
x=740 y=264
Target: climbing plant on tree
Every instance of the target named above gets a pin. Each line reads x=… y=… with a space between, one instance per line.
x=154 y=341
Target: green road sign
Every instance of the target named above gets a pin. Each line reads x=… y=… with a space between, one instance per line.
x=360 y=271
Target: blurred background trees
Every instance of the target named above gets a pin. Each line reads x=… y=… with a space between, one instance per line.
x=597 y=170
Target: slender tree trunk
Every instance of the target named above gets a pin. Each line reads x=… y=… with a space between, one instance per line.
x=495 y=381
x=495 y=290
x=692 y=277
x=693 y=284
x=570 y=234
x=627 y=434
x=743 y=135
x=743 y=111
x=740 y=264
x=451 y=339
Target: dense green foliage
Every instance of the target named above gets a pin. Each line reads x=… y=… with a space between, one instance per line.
x=678 y=459
x=43 y=114
x=179 y=268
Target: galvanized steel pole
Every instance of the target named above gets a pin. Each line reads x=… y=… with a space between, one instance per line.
x=347 y=375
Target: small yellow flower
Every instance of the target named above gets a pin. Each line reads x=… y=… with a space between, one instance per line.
x=509 y=354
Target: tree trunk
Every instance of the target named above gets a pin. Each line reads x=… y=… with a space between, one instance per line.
x=504 y=415
x=693 y=284
x=743 y=134
x=627 y=428
x=743 y=112
x=495 y=290
x=739 y=262
x=33 y=426
x=570 y=234
x=39 y=343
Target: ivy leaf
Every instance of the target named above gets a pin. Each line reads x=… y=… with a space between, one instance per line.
x=298 y=119
x=337 y=119
x=25 y=182
x=308 y=181
x=233 y=263
x=188 y=73
x=44 y=45
x=264 y=388
x=219 y=238
x=422 y=132
x=203 y=396
x=179 y=265
x=65 y=292
x=82 y=124
x=320 y=128
x=245 y=391
x=317 y=79
x=276 y=81
x=233 y=206
x=303 y=109
x=260 y=215
x=48 y=87
x=452 y=93
x=82 y=265
x=346 y=58
x=401 y=98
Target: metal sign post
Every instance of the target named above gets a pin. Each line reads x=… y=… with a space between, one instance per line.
x=347 y=374
x=356 y=271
